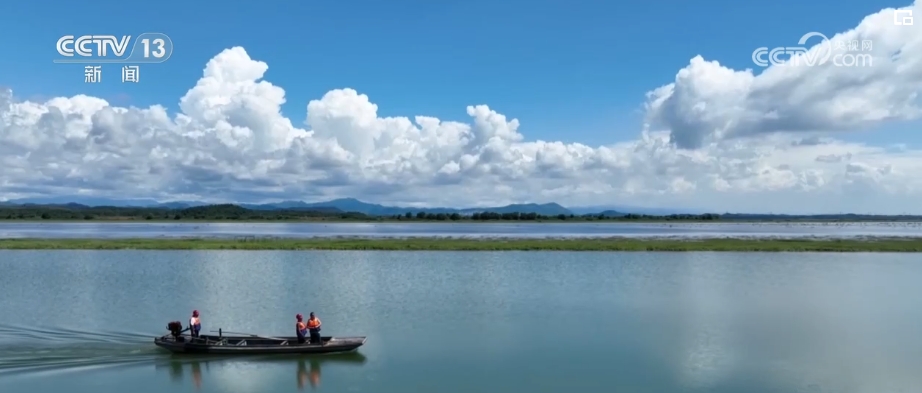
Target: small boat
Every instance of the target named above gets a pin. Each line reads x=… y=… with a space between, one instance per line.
x=252 y=344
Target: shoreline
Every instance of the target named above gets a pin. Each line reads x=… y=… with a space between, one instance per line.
x=864 y=244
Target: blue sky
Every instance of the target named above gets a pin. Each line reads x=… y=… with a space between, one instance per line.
x=586 y=77
x=569 y=70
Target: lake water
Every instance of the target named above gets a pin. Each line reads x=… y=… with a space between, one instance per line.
x=511 y=230
x=469 y=322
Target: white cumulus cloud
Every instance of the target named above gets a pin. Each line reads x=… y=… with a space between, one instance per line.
x=710 y=102
x=717 y=139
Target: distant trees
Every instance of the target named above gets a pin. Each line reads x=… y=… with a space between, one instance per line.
x=234 y=213
x=694 y=217
x=517 y=216
x=210 y=212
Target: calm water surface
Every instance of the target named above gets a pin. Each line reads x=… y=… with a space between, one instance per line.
x=469 y=322
x=390 y=229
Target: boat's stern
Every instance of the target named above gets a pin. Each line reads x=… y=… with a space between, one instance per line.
x=170 y=344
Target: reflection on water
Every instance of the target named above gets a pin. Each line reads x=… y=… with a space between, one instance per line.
x=512 y=230
x=306 y=368
x=312 y=376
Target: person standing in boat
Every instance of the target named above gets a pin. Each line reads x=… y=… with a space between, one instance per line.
x=313 y=325
x=300 y=328
x=195 y=324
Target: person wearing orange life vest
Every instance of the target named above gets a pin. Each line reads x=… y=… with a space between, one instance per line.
x=313 y=325
x=195 y=324
x=300 y=328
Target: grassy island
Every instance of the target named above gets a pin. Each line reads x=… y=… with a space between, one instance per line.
x=460 y=244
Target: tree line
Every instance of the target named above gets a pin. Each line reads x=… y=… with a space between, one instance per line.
x=206 y=213
x=516 y=216
x=235 y=212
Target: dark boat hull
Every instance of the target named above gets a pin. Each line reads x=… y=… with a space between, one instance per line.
x=253 y=345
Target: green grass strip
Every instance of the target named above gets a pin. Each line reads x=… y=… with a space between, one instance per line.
x=467 y=244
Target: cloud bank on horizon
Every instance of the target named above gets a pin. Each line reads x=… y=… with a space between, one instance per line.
x=716 y=138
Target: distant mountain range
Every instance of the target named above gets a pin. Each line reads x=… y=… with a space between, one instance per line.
x=354 y=205
x=342 y=204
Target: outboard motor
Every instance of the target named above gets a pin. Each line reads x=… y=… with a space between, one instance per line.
x=175 y=329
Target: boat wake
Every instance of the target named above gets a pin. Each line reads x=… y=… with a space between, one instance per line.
x=24 y=350
x=19 y=360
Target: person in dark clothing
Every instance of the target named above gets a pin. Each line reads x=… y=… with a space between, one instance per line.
x=313 y=325
x=300 y=328
x=195 y=324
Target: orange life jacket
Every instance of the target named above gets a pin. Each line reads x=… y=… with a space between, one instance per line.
x=301 y=326
x=313 y=323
